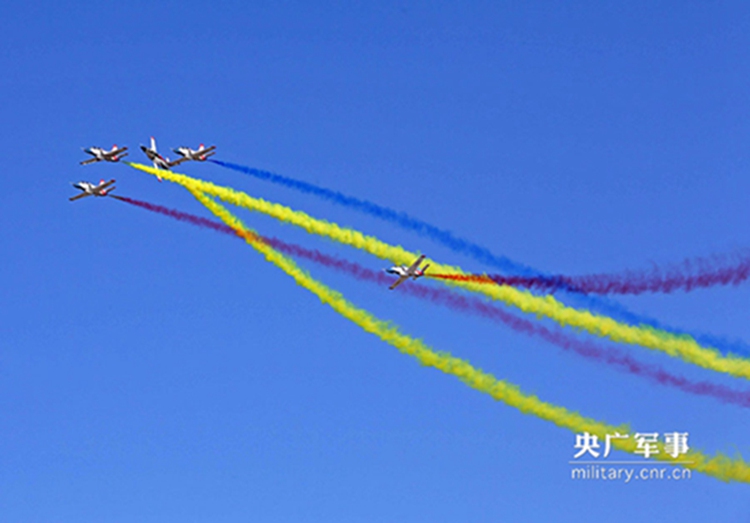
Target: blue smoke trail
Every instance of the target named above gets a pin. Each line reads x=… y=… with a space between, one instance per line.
x=479 y=253
x=401 y=219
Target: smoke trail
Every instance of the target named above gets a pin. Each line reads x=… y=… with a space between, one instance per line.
x=477 y=252
x=718 y=466
x=690 y=275
x=465 y=304
x=610 y=356
x=610 y=308
x=178 y=215
x=401 y=219
x=681 y=346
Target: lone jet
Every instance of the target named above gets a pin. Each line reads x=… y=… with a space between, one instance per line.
x=89 y=189
x=198 y=155
x=102 y=155
x=159 y=161
x=404 y=273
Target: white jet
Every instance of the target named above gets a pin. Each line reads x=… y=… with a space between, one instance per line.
x=196 y=155
x=404 y=273
x=103 y=155
x=159 y=161
x=89 y=189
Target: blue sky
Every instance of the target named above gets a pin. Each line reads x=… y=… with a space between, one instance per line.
x=152 y=371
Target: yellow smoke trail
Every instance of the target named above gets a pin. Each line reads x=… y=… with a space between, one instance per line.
x=682 y=346
x=719 y=466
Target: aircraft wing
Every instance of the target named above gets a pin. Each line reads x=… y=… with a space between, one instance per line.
x=414 y=266
x=398 y=282
x=79 y=196
x=208 y=149
x=178 y=161
x=90 y=160
x=105 y=185
x=115 y=156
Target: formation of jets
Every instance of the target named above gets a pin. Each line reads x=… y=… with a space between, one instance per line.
x=200 y=154
x=186 y=154
x=404 y=273
x=116 y=153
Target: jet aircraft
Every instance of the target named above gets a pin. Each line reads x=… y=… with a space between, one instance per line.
x=89 y=189
x=404 y=273
x=197 y=155
x=159 y=161
x=103 y=155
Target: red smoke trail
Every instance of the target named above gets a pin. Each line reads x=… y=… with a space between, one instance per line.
x=473 y=305
x=689 y=275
